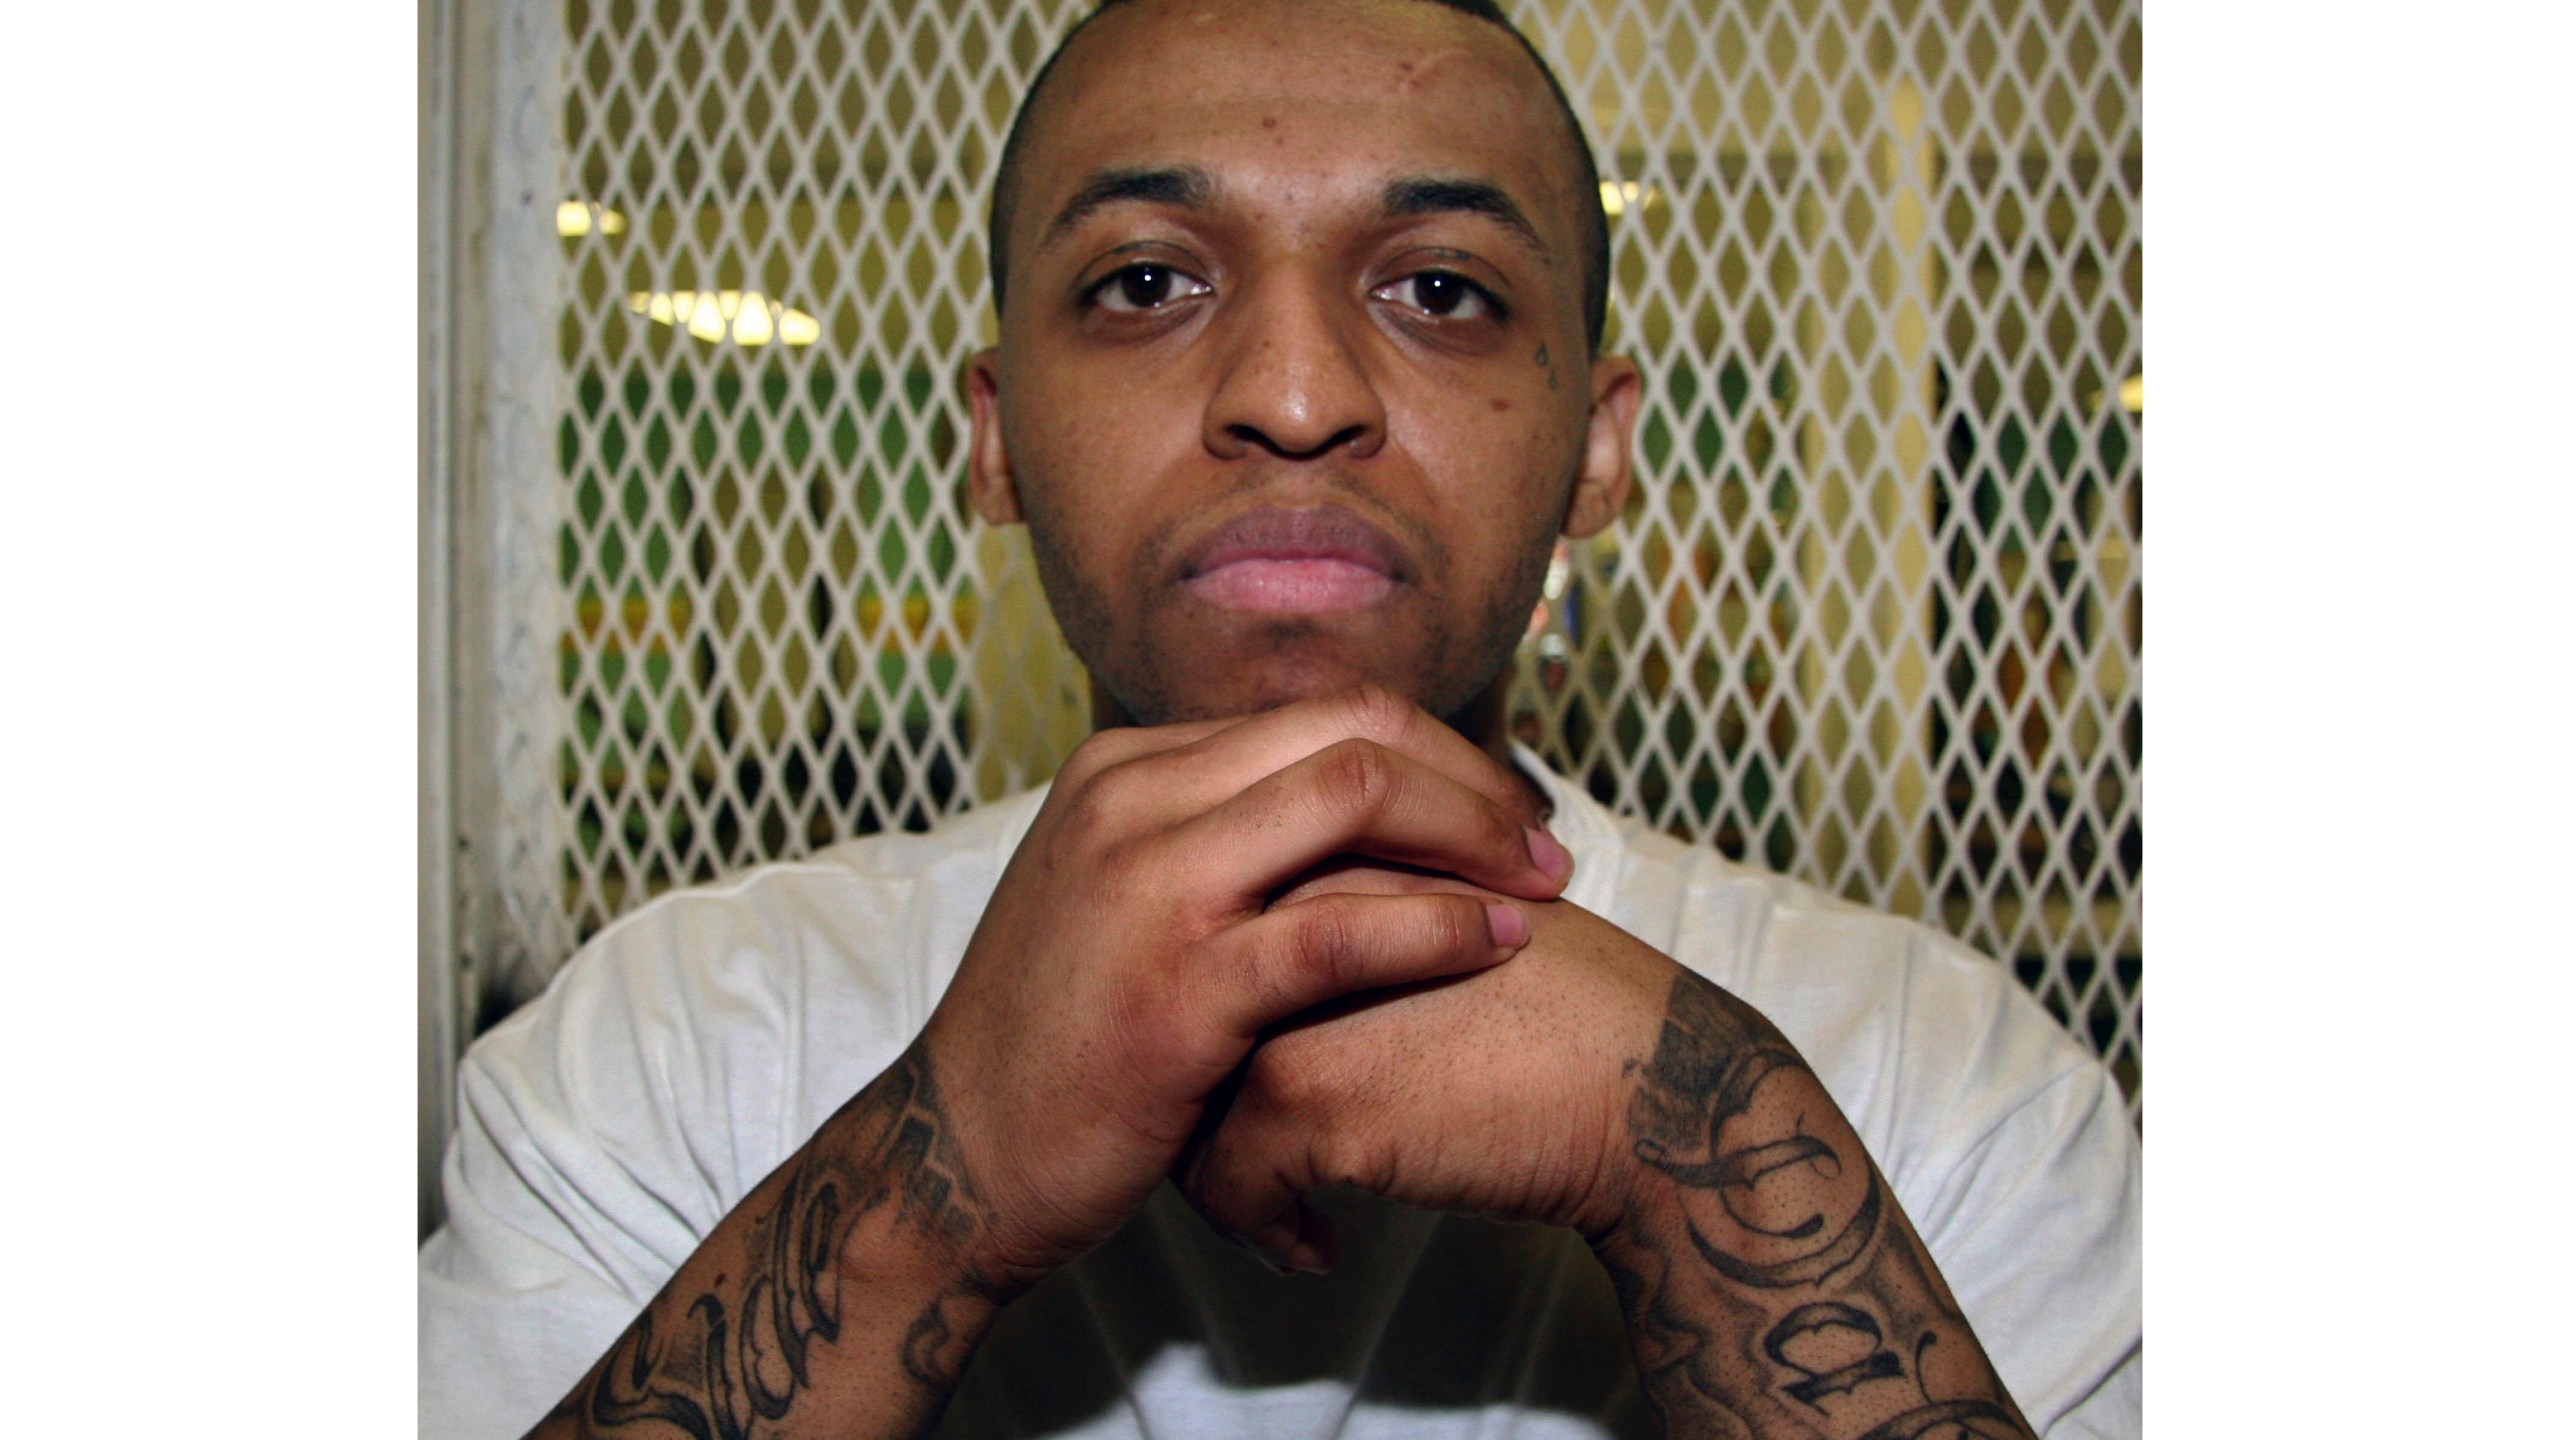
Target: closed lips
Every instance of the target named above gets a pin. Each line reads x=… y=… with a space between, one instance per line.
x=1305 y=561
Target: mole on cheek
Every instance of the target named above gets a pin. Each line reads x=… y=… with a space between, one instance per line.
x=1270 y=122
x=1500 y=404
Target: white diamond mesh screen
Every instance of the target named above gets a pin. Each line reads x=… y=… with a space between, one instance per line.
x=1872 y=618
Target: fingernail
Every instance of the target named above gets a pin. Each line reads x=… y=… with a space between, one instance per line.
x=1549 y=856
x=1510 y=927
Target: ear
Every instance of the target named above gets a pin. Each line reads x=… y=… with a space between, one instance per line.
x=990 y=472
x=1608 y=448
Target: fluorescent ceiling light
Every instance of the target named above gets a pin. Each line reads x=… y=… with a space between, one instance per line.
x=2128 y=395
x=2130 y=392
x=585 y=217
x=1617 y=197
x=745 y=316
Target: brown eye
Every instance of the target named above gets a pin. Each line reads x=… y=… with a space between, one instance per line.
x=1442 y=295
x=1146 y=286
x=1439 y=292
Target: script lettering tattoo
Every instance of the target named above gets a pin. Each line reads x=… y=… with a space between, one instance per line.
x=622 y=1394
x=933 y=1352
x=749 y=1356
x=1776 y=1187
x=1542 y=362
x=1772 y=1286
x=1804 y=1323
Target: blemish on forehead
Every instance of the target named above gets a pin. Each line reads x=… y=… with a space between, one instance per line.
x=1411 y=77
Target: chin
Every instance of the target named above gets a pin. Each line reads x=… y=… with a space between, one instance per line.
x=1232 y=696
x=1267 y=683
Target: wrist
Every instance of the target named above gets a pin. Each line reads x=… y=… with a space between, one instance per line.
x=914 y=1219
x=1630 y=1205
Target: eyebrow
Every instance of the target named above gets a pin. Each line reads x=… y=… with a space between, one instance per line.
x=1435 y=196
x=1188 y=187
x=1183 y=186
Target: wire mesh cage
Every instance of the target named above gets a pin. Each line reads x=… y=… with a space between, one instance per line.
x=1872 y=617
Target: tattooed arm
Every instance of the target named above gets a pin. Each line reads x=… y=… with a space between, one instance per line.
x=840 y=1298
x=1118 y=975
x=1771 y=1283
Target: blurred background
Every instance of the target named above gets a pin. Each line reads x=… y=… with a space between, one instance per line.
x=702 y=589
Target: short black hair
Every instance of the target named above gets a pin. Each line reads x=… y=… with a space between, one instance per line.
x=1590 y=219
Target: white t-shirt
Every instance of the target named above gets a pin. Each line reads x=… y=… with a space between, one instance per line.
x=697 y=1043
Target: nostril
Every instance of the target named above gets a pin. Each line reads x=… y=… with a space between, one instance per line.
x=1349 y=437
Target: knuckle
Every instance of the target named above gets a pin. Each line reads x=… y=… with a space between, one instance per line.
x=1096 y=753
x=1281 y=1083
x=1455 y=924
x=1110 y=752
x=1498 y=830
x=1081 y=830
x=1092 y=842
x=1109 y=800
x=1326 y=943
x=1361 y=774
x=1356 y=1161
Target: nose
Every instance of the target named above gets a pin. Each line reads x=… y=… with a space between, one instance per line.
x=1293 y=385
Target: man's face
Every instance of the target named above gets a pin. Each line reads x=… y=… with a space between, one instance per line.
x=1293 y=390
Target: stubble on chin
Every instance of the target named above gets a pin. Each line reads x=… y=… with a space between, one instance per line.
x=1280 y=662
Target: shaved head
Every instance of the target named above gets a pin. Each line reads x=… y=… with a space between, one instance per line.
x=1591 y=222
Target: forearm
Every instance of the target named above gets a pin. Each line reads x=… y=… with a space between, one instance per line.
x=831 y=1301
x=1771 y=1283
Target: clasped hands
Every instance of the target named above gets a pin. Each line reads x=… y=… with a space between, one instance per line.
x=1320 y=945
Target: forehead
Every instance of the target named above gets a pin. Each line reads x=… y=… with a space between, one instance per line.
x=1296 y=100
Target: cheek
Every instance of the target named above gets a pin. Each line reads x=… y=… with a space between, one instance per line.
x=1070 y=480
x=1540 y=433
x=1102 y=440
x=1504 y=477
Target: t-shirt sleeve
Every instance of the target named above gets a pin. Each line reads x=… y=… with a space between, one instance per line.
x=600 y=1133
x=2006 y=1142
x=516 y=1295
x=2038 y=1227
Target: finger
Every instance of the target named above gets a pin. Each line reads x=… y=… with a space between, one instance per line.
x=1279 y=963
x=1248 y=1177
x=1358 y=875
x=1302 y=1241
x=1220 y=759
x=1122 y=744
x=1360 y=797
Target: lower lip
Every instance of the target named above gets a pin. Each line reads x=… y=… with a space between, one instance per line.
x=1295 y=587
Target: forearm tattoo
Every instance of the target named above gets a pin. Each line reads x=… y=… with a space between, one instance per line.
x=737 y=1354
x=1788 y=1295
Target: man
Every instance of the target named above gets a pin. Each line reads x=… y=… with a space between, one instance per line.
x=1297 y=388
